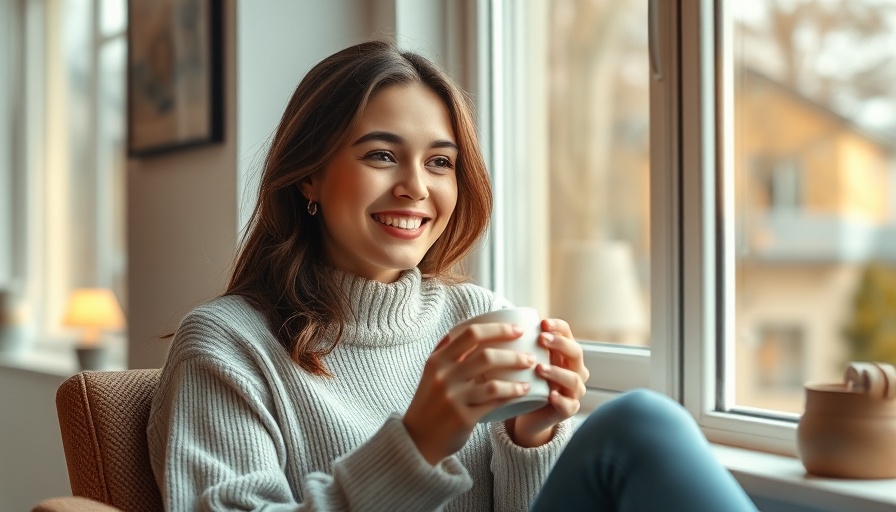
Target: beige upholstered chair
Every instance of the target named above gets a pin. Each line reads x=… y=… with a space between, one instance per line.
x=102 y=418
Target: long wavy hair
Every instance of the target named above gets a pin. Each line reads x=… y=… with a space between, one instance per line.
x=280 y=268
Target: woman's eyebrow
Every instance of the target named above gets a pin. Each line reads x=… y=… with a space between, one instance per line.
x=381 y=136
x=394 y=138
x=445 y=144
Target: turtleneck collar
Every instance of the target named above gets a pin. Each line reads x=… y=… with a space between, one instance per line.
x=382 y=314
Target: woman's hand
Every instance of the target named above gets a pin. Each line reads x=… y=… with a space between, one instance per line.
x=453 y=396
x=566 y=378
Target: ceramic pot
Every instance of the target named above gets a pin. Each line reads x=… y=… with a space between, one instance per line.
x=848 y=432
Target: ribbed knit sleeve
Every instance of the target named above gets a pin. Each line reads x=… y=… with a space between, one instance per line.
x=388 y=473
x=519 y=473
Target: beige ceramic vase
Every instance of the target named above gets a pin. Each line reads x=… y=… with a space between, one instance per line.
x=848 y=429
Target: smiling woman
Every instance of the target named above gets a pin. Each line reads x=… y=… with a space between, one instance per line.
x=324 y=379
x=352 y=143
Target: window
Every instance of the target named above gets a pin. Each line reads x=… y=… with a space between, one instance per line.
x=571 y=161
x=718 y=162
x=68 y=172
x=786 y=178
x=813 y=93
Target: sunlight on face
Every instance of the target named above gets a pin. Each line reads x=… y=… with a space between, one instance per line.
x=386 y=197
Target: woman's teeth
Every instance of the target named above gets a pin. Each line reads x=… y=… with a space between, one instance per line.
x=399 y=222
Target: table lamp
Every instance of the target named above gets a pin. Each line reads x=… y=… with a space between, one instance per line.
x=92 y=310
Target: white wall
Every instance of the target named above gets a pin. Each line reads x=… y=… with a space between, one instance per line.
x=32 y=464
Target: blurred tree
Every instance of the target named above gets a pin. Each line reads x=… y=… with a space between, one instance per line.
x=871 y=330
x=839 y=53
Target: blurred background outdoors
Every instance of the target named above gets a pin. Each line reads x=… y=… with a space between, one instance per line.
x=814 y=181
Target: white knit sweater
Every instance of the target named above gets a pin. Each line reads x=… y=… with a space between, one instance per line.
x=237 y=425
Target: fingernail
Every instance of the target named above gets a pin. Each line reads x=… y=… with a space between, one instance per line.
x=548 y=337
x=522 y=388
x=529 y=359
x=545 y=368
x=549 y=324
x=517 y=329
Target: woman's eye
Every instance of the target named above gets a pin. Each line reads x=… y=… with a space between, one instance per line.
x=381 y=156
x=441 y=161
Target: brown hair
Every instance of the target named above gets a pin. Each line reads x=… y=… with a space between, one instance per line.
x=280 y=267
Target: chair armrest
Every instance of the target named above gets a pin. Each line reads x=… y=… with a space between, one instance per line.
x=72 y=504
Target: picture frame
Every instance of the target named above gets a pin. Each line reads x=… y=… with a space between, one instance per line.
x=175 y=75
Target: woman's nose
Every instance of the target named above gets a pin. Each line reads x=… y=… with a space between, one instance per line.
x=412 y=184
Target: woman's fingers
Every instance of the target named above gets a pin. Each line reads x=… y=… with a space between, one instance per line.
x=569 y=383
x=565 y=351
x=492 y=392
x=488 y=359
x=556 y=326
x=467 y=339
x=565 y=405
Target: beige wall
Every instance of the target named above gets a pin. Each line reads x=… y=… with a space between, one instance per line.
x=181 y=226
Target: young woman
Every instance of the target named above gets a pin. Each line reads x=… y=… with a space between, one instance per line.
x=322 y=378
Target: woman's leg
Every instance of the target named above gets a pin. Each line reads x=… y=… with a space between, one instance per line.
x=640 y=452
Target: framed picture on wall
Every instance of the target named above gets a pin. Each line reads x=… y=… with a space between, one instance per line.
x=175 y=75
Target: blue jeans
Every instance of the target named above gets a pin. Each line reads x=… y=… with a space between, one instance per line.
x=640 y=452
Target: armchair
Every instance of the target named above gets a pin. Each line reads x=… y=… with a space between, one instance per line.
x=103 y=418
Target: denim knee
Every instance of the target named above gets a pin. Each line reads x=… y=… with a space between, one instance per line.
x=639 y=418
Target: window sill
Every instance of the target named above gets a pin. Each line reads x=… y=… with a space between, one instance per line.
x=58 y=358
x=778 y=483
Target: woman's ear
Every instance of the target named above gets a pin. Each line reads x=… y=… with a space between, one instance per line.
x=308 y=189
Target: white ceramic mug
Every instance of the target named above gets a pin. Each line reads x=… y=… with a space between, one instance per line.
x=530 y=322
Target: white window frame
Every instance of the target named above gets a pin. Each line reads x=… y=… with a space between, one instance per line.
x=707 y=159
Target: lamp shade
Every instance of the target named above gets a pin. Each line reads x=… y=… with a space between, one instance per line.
x=93 y=308
x=597 y=290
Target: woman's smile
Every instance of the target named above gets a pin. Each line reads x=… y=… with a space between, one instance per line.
x=402 y=225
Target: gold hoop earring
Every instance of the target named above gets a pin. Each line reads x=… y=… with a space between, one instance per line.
x=312 y=207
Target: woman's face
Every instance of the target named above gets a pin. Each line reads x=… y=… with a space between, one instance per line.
x=386 y=197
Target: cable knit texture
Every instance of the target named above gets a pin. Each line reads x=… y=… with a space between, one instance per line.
x=237 y=425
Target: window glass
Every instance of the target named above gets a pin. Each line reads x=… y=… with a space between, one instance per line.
x=111 y=168
x=598 y=168
x=72 y=212
x=113 y=17
x=814 y=178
